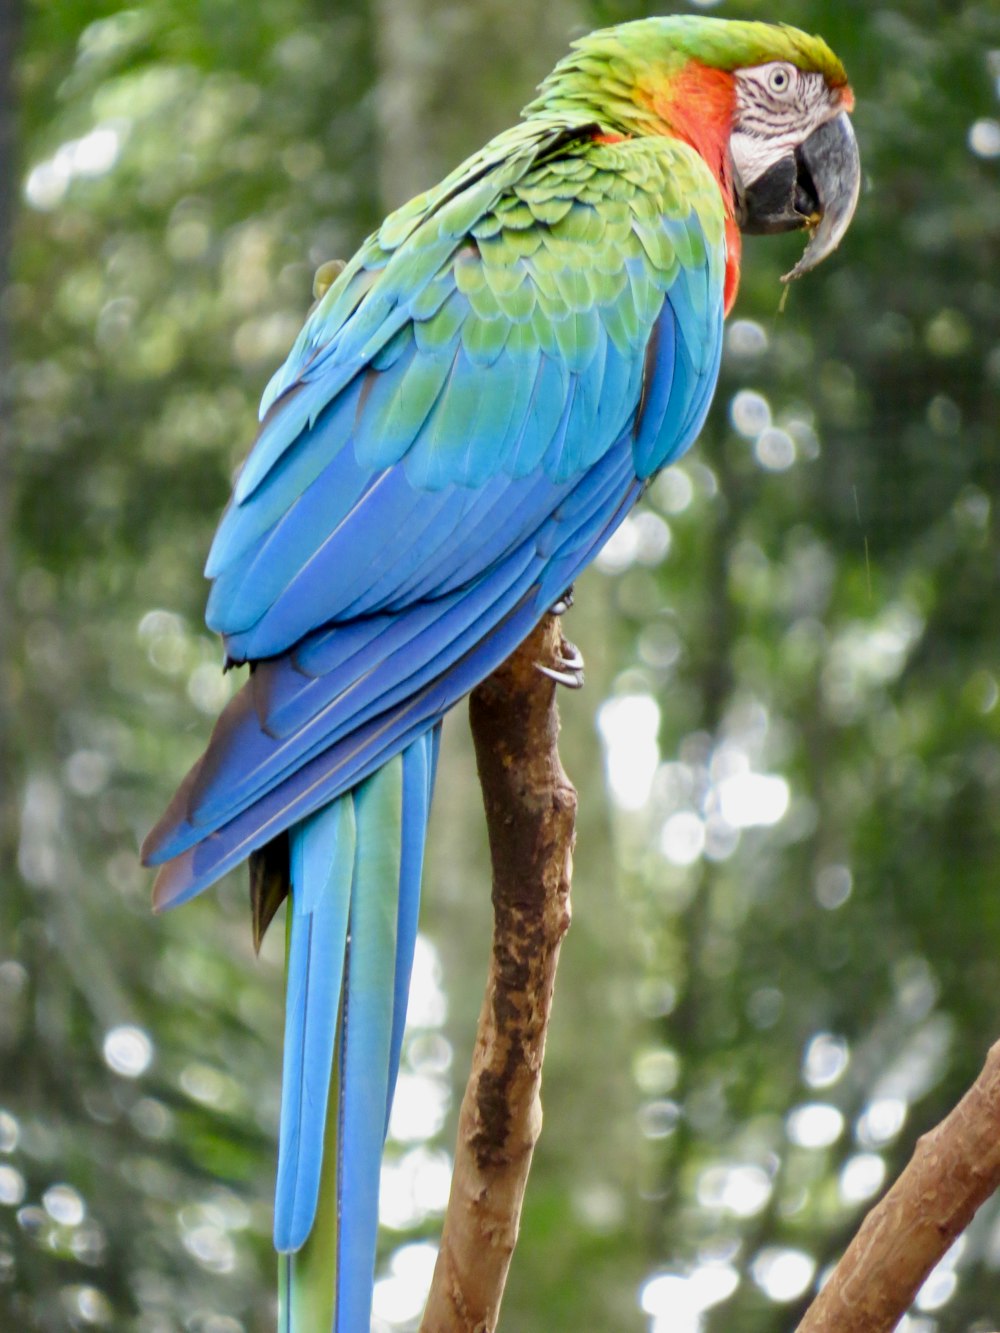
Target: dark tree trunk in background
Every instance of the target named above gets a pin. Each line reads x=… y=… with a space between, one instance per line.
x=10 y=29
x=432 y=115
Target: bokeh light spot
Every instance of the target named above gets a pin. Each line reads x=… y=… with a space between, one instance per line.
x=984 y=137
x=814 y=1125
x=783 y=1274
x=682 y=840
x=825 y=1060
x=64 y=1205
x=12 y=1186
x=861 y=1177
x=128 y=1051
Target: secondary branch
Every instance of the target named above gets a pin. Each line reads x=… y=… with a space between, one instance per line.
x=954 y=1169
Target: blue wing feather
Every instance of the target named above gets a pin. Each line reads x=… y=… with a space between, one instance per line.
x=311 y=713
x=251 y=786
x=245 y=524
x=526 y=503
x=335 y=768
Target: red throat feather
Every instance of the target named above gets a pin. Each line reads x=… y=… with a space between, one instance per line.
x=697 y=106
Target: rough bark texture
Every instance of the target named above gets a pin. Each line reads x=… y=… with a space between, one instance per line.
x=954 y=1169
x=530 y=812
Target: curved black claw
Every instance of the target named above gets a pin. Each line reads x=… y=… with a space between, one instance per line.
x=564 y=603
x=567 y=669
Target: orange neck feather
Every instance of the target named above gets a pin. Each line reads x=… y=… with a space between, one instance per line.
x=697 y=106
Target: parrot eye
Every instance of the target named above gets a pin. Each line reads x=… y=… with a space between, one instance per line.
x=779 y=80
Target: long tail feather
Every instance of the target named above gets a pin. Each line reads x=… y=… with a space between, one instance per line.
x=419 y=763
x=356 y=868
x=322 y=859
x=307 y=1278
x=367 y=1033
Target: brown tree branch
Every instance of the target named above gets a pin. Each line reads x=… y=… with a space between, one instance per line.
x=530 y=813
x=530 y=810
x=954 y=1169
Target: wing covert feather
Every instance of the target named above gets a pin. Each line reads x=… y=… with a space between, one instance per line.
x=496 y=330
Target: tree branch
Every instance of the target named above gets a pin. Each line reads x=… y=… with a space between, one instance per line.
x=530 y=814
x=954 y=1169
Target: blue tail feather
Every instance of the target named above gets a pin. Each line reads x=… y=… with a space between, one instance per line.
x=322 y=856
x=355 y=871
x=367 y=1035
x=418 y=785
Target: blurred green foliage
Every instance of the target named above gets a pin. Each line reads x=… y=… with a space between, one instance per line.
x=784 y=961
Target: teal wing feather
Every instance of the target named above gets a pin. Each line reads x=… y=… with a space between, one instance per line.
x=464 y=381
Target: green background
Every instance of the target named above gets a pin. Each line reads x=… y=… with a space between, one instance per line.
x=784 y=959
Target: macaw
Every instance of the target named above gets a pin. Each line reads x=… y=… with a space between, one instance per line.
x=469 y=412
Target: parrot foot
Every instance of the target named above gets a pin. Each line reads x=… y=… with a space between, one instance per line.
x=564 y=603
x=567 y=669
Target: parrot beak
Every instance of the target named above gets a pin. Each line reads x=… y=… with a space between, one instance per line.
x=817 y=187
x=829 y=161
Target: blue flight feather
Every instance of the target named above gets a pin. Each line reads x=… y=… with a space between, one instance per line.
x=425 y=642
x=331 y=771
x=322 y=455
x=660 y=388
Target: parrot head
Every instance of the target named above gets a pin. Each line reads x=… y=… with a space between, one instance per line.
x=794 y=156
x=764 y=104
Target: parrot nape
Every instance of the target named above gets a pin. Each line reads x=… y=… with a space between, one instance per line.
x=471 y=409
